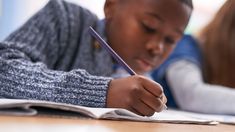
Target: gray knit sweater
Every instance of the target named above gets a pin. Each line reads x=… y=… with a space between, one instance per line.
x=52 y=57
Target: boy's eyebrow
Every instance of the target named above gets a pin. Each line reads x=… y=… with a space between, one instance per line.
x=162 y=20
x=155 y=15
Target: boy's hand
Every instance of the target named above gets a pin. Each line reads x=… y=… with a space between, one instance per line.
x=137 y=94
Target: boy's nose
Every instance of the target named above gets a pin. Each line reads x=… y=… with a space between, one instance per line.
x=155 y=48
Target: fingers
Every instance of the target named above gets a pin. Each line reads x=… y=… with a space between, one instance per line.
x=135 y=111
x=152 y=87
x=147 y=103
x=150 y=100
x=142 y=109
x=164 y=99
x=157 y=104
x=162 y=106
x=138 y=94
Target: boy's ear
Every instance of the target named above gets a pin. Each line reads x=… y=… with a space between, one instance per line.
x=109 y=8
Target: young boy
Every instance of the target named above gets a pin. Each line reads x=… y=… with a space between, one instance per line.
x=52 y=57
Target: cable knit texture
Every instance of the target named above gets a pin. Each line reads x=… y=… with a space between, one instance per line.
x=52 y=57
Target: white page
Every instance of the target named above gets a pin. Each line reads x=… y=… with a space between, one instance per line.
x=228 y=119
x=166 y=116
x=172 y=116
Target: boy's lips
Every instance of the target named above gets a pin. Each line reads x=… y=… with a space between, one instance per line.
x=145 y=64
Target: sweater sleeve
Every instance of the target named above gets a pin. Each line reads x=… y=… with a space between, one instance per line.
x=191 y=93
x=27 y=55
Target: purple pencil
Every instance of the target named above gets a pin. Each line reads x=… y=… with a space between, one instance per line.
x=111 y=51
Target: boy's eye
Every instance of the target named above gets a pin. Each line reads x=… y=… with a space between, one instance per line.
x=148 y=29
x=169 y=40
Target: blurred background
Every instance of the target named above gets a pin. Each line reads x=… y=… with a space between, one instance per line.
x=14 y=13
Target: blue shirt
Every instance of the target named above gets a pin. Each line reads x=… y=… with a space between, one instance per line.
x=186 y=49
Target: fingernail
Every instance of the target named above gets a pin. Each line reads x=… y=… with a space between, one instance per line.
x=165 y=107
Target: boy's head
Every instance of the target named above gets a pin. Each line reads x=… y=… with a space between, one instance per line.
x=144 y=32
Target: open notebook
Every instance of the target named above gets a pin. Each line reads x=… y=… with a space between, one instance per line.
x=33 y=107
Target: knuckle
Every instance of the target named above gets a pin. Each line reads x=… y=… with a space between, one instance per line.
x=160 y=92
x=138 y=77
x=158 y=105
x=159 y=87
x=135 y=89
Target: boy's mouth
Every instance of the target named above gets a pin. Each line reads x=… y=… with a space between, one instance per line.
x=144 y=65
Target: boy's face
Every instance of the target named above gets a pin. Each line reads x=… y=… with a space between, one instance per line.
x=144 y=32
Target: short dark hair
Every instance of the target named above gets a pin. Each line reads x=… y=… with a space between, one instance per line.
x=188 y=2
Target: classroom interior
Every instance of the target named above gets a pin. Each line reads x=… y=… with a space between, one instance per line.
x=14 y=13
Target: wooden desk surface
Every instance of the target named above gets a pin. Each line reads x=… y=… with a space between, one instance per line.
x=52 y=124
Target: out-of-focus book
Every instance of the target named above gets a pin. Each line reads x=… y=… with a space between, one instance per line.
x=18 y=107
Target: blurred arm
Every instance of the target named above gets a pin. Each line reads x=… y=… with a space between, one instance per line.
x=191 y=93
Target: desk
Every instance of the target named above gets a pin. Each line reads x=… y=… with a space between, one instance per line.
x=52 y=124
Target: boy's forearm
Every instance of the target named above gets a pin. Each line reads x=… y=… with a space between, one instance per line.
x=26 y=80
